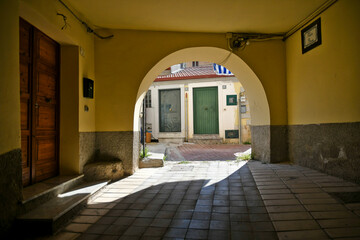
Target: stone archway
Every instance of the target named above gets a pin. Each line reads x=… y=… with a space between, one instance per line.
x=260 y=112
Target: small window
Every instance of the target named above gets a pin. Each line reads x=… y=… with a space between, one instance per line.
x=243 y=109
x=195 y=63
x=148 y=99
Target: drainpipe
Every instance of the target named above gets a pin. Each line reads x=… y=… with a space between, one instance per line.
x=144 y=130
x=240 y=138
x=186 y=117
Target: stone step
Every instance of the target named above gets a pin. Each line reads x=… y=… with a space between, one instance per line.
x=39 y=193
x=206 y=139
x=49 y=217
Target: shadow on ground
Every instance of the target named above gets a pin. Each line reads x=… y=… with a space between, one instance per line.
x=231 y=208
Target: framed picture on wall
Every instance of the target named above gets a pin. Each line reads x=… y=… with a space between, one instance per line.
x=311 y=36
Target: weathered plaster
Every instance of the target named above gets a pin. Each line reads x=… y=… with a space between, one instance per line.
x=333 y=148
x=118 y=146
x=10 y=187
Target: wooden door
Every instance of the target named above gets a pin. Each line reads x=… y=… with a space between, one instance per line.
x=206 y=120
x=39 y=104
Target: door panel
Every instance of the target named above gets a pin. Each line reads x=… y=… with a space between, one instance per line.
x=45 y=111
x=45 y=118
x=25 y=150
x=25 y=118
x=46 y=153
x=46 y=84
x=47 y=50
x=206 y=110
x=170 y=110
x=24 y=76
x=39 y=60
x=25 y=39
x=25 y=99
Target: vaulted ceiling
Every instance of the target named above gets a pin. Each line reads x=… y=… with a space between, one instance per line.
x=217 y=16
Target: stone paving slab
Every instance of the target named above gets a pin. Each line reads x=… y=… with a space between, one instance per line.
x=218 y=200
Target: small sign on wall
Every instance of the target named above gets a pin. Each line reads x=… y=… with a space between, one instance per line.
x=311 y=36
x=231 y=133
x=231 y=100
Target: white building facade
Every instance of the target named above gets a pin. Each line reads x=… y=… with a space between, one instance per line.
x=183 y=106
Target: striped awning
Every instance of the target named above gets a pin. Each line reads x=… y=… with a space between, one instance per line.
x=221 y=70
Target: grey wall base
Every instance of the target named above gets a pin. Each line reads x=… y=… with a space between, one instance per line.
x=87 y=142
x=269 y=143
x=279 y=143
x=332 y=148
x=119 y=146
x=260 y=143
x=10 y=188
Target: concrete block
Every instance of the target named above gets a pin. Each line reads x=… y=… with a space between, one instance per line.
x=104 y=170
x=151 y=163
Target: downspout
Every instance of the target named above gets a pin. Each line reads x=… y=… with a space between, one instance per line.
x=186 y=117
x=144 y=130
x=239 y=108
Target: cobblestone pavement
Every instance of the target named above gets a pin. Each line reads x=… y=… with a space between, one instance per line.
x=205 y=152
x=220 y=200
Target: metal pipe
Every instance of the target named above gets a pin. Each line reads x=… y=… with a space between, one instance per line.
x=144 y=130
x=313 y=15
x=186 y=117
x=240 y=137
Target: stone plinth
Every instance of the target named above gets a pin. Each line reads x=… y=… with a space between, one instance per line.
x=104 y=170
x=151 y=163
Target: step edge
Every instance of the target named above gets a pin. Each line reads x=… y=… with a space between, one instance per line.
x=52 y=189
x=81 y=200
x=54 y=218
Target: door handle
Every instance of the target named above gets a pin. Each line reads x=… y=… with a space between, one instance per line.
x=36 y=105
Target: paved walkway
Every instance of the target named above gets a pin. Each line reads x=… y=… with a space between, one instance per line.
x=220 y=200
x=205 y=152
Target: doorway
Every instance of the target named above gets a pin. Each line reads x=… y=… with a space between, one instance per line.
x=206 y=114
x=39 y=98
x=170 y=110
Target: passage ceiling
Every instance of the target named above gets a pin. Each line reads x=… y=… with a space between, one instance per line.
x=217 y=16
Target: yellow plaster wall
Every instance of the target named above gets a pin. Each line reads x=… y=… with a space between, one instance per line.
x=43 y=15
x=122 y=62
x=324 y=83
x=9 y=76
x=267 y=60
x=69 y=108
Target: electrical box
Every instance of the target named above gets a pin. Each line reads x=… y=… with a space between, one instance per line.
x=88 y=86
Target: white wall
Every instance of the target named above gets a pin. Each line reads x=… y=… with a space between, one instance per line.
x=228 y=119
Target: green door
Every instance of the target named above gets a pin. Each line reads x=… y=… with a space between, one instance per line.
x=206 y=118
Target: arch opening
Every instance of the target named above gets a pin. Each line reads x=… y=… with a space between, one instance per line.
x=260 y=113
